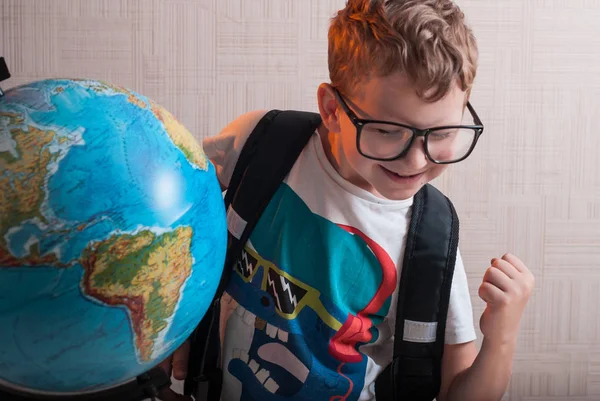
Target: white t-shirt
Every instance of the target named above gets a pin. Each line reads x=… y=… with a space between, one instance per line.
x=310 y=311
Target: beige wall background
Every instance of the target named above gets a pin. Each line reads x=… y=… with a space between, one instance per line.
x=532 y=186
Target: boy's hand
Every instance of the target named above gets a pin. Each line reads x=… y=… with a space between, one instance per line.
x=176 y=364
x=506 y=288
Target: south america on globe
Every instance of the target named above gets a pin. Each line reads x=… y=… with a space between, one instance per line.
x=112 y=236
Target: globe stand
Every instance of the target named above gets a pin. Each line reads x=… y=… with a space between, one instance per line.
x=4 y=73
x=146 y=386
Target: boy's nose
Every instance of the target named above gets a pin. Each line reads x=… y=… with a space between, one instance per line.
x=415 y=159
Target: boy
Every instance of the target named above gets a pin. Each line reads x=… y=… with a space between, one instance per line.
x=333 y=234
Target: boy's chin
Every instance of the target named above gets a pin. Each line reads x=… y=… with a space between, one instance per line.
x=398 y=194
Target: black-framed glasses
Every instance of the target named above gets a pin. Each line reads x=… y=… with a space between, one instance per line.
x=387 y=141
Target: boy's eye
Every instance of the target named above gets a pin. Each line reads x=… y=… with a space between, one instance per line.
x=384 y=130
x=439 y=135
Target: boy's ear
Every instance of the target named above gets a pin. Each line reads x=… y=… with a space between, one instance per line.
x=328 y=107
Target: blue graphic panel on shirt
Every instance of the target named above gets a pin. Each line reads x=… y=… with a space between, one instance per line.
x=314 y=291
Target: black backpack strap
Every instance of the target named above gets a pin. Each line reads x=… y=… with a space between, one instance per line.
x=423 y=298
x=265 y=160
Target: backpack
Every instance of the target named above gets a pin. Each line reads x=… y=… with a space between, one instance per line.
x=424 y=290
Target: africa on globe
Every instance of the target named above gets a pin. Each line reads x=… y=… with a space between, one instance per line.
x=112 y=235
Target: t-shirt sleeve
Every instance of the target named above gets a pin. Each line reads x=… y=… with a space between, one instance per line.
x=224 y=149
x=459 y=324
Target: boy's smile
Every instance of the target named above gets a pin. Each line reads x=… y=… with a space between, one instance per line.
x=403 y=179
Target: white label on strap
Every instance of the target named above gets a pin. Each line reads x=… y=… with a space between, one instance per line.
x=420 y=332
x=235 y=223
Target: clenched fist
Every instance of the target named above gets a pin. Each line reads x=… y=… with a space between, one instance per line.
x=506 y=288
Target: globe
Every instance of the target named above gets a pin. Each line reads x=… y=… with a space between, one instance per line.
x=112 y=236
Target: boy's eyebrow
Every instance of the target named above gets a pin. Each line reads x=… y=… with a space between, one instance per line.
x=362 y=114
x=440 y=122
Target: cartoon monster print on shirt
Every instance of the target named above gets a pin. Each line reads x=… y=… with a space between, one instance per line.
x=304 y=296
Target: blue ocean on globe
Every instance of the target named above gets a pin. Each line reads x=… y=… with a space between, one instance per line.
x=112 y=235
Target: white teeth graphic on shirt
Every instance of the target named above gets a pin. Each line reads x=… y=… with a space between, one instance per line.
x=262 y=375
x=247 y=317
x=278 y=354
x=250 y=319
x=240 y=354
x=275 y=353
x=275 y=332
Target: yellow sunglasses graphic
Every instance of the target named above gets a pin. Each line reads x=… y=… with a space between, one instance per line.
x=289 y=294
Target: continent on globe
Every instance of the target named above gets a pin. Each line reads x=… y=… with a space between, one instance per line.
x=23 y=192
x=181 y=137
x=143 y=272
x=102 y=87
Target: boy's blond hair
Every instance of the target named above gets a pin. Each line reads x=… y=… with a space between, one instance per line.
x=428 y=40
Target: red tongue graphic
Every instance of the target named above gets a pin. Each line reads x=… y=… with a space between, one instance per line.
x=357 y=329
x=343 y=344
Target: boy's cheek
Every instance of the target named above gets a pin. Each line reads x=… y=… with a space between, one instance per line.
x=446 y=154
